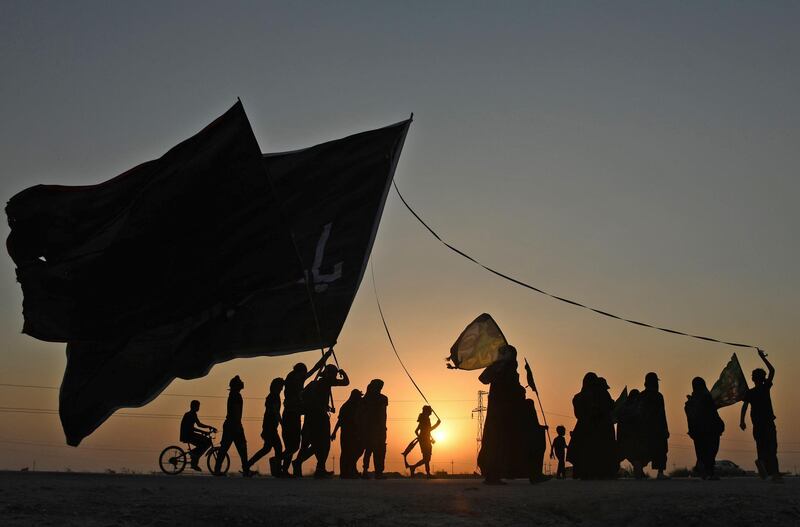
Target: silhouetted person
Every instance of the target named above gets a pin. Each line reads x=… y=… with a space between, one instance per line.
x=232 y=430
x=350 y=439
x=291 y=425
x=558 y=450
x=195 y=437
x=592 y=449
x=317 y=424
x=705 y=427
x=269 y=429
x=631 y=440
x=423 y=433
x=654 y=424
x=503 y=451
x=536 y=442
x=763 y=419
x=373 y=414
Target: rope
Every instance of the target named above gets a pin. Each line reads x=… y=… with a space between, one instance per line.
x=556 y=297
x=391 y=341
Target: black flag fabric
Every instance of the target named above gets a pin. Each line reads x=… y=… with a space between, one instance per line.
x=210 y=253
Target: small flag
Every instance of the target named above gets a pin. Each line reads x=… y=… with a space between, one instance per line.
x=731 y=386
x=529 y=377
x=478 y=346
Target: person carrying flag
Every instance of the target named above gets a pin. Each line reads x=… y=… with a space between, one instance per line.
x=763 y=419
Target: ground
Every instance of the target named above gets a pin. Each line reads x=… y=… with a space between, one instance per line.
x=35 y=498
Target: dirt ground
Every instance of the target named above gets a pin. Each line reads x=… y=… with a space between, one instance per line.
x=105 y=500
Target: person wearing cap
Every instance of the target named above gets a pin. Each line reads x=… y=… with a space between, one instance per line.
x=373 y=422
x=350 y=440
x=654 y=420
x=316 y=434
x=232 y=429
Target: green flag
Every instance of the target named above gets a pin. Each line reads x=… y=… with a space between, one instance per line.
x=731 y=386
x=478 y=346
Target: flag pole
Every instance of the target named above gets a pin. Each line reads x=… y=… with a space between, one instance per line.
x=532 y=386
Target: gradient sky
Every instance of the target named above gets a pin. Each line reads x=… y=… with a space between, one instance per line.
x=639 y=157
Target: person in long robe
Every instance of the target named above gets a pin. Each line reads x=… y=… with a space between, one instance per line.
x=655 y=427
x=705 y=427
x=536 y=443
x=630 y=434
x=350 y=440
x=592 y=450
x=503 y=451
x=373 y=414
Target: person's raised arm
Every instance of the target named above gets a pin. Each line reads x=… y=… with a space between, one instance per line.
x=344 y=380
x=438 y=422
x=320 y=363
x=770 y=367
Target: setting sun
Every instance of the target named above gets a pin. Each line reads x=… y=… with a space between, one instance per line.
x=439 y=435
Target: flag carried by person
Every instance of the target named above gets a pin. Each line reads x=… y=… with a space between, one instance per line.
x=212 y=252
x=478 y=346
x=731 y=386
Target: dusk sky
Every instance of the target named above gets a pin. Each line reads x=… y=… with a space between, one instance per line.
x=638 y=157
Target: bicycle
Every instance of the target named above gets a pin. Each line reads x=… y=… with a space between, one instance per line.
x=173 y=459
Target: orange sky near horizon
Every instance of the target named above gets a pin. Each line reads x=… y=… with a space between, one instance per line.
x=637 y=157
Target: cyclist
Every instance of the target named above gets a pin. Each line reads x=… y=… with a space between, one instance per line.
x=195 y=436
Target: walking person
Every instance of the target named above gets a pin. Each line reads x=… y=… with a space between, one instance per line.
x=654 y=424
x=373 y=413
x=705 y=427
x=350 y=439
x=425 y=439
x=763 y=419
x=316 y=434
x=291 y=421
x=232 y=430
x=269 y=429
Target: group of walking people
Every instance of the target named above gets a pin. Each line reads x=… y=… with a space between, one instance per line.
x=305 y=429
x=608 y=432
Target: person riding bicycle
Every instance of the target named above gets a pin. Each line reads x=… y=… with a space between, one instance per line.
x=195 y=436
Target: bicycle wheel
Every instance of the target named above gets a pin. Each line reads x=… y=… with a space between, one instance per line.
x=211 y=461
x=172 y=460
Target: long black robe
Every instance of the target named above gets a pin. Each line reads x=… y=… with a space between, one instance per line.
x=504 y=450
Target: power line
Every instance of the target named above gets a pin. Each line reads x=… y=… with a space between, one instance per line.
x=207 y=396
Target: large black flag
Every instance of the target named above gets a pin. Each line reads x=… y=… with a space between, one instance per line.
x=197 y=258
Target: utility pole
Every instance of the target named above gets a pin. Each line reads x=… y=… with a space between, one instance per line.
x=452 y=470
x=480 y=411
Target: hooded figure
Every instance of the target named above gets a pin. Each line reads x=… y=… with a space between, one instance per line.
x=705 y=427
x=352 y=445
x=630 y=434
x=373 y=426
x=232 y=430
x=504 y=451
x=593 y=450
